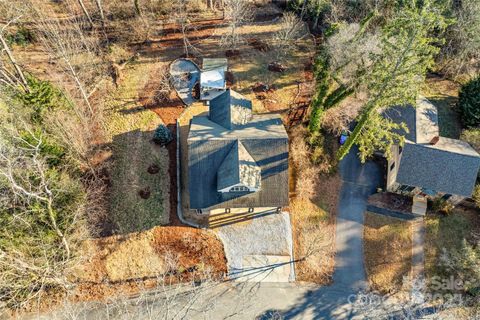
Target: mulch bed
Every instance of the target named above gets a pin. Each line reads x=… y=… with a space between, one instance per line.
x=276 y=67
x=232 y=53
x=230 y=79
x=144 y=193
x=153 y=169
x=308 y=70
x=262 y=87
x=392 y=201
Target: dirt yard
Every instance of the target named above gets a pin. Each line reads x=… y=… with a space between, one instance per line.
x=388 y=252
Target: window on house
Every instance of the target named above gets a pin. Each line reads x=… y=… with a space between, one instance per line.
x=239 y=189
x=199 y=211
x=227 y=210
x=392 y=166
x=250 y=210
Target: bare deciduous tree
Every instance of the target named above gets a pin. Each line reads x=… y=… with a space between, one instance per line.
x=86 y=13
x=37 y=242
x=165 y=85
x=181 y=16
x=76 y=51
x=11 y=74
x=291 y=30
x=170 y=297
x=461 y=52
x=236 y=12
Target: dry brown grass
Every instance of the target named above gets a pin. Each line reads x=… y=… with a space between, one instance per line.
x=149 y=254
x=314 y=241
x=313 y=208
x=388 y=252
x=447 y=232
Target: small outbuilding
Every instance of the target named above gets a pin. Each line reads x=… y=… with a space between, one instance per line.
x=213 y=78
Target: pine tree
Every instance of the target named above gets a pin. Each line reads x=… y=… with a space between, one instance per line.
x=409 y=44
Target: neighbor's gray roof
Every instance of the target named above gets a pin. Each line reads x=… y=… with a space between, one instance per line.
x=421 y=121
x=230 y=109
x=238 y=167
x=438 y=168
x=449 y=166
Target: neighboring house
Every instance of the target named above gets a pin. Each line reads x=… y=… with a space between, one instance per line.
x=237 y=161
x=429 y=164
x=213 y=78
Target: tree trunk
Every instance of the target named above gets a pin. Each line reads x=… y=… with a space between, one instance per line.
x=85 y=12
x=100 y=10
x=304 y=7
x=18 y=70
x=136 y=5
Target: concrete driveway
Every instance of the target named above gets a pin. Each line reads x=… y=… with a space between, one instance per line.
x=259 y=250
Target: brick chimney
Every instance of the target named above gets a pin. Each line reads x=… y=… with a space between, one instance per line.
x=434 y=140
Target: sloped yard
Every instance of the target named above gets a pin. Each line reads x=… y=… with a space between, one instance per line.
x=128 y=264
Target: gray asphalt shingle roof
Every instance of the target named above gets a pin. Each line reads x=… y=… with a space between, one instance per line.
x=265 y=140
x=449 y=166
x=421 y=121
x=434 y=168
x=230 y=109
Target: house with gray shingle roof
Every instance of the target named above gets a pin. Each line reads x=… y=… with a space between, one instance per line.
x=429 y=163
x=237 y=159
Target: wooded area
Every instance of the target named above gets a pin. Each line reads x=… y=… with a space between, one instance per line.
x=62 y=61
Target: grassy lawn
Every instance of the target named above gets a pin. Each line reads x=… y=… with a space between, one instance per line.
x=447 y=232
x=388 y=252
x=130 y=129
x=444 y=95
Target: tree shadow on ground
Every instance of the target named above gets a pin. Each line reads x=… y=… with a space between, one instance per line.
x=138 y=184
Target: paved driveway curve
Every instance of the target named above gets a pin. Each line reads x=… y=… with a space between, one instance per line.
x=358 y=182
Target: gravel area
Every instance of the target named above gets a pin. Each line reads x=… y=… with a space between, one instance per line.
x=185 y=74
x=270 y=237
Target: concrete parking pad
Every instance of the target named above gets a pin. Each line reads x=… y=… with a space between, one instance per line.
x=259 y=250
